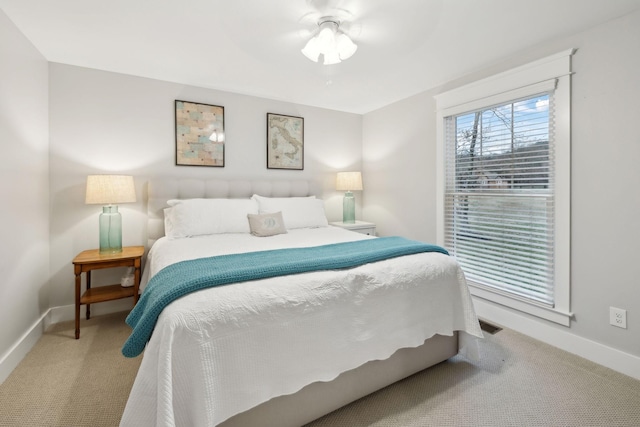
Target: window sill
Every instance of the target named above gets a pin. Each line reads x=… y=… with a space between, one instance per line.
x=551 y=314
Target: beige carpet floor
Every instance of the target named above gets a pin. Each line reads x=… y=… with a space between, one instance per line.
x=72 y=383
x=517 y=382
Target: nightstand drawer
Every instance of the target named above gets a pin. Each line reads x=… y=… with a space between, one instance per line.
x=362 y=227
x=371 y=231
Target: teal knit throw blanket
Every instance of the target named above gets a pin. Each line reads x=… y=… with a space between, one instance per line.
x=179 y=279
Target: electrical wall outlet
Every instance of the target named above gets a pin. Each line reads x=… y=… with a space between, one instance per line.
x=618 y=317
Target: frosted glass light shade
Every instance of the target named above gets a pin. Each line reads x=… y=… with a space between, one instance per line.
x=332 y=43
x=346 y=48
x=312 y=50
x=110 y=230
x=331 y=58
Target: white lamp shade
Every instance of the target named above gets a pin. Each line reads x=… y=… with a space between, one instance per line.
x=110 y=189
x=349 y=181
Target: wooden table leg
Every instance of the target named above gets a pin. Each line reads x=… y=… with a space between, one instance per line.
x=88 y=275
x=136 y=282
x=78 y=273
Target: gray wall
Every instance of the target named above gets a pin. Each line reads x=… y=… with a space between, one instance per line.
x=103 y=122
x=24 y=187
x=399 y=146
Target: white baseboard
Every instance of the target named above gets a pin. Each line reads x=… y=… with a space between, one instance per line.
x=19 y=350
x=65 y=313
x=612 y=358
x=617 y=360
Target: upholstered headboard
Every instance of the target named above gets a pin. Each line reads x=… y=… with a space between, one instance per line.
x=160 y=190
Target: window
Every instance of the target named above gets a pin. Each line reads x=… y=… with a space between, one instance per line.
x=504 y=154
x=499 y=196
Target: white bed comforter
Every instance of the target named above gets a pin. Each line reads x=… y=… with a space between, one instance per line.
x=221 y=351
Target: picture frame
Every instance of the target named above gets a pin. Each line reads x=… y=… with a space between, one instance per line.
x=200 y=136
x=285 y=142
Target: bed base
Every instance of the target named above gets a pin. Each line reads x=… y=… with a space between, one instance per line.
x=320 y=398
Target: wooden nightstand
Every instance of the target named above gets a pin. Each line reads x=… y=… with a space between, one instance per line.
x=84 y=262
x=359 y=227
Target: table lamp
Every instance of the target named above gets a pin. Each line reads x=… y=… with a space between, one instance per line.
x=349 y=182
x=110 y=190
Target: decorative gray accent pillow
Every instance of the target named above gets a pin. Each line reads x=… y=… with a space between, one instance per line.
x=265 y=225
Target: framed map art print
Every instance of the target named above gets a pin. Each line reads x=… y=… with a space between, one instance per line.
x=285 y=142
x=199 y=134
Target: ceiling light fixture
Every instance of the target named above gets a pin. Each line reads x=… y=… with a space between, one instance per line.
x=333 y=44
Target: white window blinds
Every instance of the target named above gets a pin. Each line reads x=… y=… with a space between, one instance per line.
x=499 y=196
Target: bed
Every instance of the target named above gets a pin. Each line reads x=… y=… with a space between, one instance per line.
x=280 y=350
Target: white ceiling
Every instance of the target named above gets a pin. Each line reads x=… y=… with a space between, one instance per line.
x=253 y=46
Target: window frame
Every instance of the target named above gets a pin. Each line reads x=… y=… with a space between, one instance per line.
x=520 y=82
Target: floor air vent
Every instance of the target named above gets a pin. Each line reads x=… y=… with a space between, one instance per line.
x=489 y=328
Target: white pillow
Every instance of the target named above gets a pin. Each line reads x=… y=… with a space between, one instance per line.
x=197 y=217
x=297 y=212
